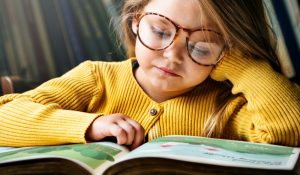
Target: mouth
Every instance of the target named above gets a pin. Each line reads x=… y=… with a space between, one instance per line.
x=167 y=71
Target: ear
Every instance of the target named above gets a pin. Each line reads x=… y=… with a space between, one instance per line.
x=134 y=26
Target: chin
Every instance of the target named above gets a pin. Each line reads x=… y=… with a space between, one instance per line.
x=166 y=87
x=161 y=88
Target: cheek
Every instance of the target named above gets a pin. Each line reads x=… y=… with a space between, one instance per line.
x=143 y=54
x=140 y=50
x=197 y=76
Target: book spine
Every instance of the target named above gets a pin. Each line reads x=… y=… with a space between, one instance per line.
x=57 y=42
x=4 y=69
x=293 y=11
x=3 y=63
x=288 y=34
x=7 y=41
x=44 y=39
x=26 y=42
x=90 y=46
x=34 y=33
x=101 y=25
x=64 y=32
x=108 y=13
x=16 y=38
x=72 y=30
x=284 y=57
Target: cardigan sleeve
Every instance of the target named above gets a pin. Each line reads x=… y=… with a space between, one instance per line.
x=56 y=112
x=272 y=111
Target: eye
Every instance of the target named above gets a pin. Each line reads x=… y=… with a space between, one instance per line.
x=198 y=51
x=160 y=33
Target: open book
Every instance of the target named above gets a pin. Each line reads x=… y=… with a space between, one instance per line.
x=165 y=155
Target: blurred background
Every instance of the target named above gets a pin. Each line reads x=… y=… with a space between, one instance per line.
x=42 y=39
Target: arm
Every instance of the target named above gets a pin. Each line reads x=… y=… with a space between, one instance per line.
x=272 y=111
x=53 y=113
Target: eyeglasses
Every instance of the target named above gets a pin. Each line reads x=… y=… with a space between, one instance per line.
x=157 y=32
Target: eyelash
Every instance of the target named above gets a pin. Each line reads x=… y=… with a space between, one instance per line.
x=202 y=50
x=160 y=33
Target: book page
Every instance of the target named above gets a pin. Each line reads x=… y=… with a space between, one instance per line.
x=3 y=149
x=219 y=152
x=90 y=156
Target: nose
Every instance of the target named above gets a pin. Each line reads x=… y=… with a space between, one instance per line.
x=176 y=52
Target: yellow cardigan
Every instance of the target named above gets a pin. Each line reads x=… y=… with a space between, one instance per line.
x=60 y=110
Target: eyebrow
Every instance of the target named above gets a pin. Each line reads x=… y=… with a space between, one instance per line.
x=212 y=37
x=164 y=21
x=207 y=27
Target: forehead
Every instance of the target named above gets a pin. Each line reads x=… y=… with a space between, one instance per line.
x=186 y=13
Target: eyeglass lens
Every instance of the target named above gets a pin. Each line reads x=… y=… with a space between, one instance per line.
x=158 y=33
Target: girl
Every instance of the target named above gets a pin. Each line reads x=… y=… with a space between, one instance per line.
x=197 y=67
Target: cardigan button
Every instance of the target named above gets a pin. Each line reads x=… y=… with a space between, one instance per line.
x=153 y=111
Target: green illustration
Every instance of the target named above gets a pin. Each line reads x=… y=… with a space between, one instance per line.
x=96 y=151
x=91 y=154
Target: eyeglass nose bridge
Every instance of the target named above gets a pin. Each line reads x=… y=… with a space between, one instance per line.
x=174 y=38
x=178 y=28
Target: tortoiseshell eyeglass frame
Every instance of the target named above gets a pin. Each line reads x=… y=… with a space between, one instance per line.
x=178 y=27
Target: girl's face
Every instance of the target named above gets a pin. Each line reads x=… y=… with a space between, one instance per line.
x=167 y=68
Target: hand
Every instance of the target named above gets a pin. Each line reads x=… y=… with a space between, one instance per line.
x=126 y=130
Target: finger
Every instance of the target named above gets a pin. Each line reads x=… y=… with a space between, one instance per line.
x=130 y=130
x=119 y=133
x=139 y=133
x=138 y=140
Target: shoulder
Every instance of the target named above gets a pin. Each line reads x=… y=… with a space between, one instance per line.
x=110 y=71
x=107 y=66
x=92 y=68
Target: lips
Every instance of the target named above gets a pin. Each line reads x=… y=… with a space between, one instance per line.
x=168 y=71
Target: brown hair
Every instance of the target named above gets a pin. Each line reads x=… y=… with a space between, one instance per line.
x=244 y=25
x=130 y=9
